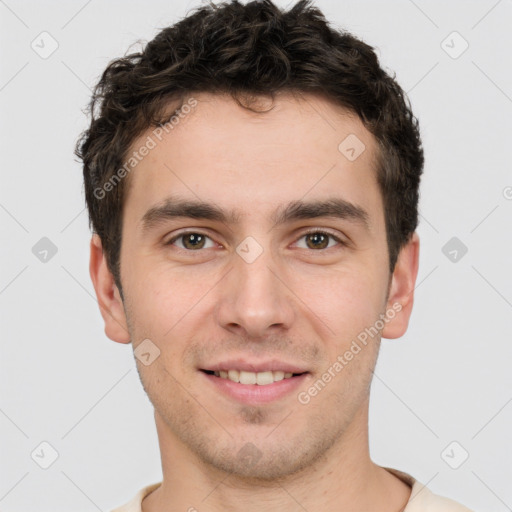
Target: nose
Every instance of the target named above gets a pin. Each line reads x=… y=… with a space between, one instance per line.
x=254 y=298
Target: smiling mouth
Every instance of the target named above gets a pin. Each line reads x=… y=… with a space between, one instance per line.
x=259 y=378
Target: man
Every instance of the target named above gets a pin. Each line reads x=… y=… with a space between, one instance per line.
x=252 y=180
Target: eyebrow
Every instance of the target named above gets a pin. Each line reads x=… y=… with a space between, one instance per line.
x=175 y=207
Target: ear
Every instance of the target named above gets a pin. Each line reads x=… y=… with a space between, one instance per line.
x=107 y=293
x=401 y=291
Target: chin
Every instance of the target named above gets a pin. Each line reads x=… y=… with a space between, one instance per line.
x=264 y=460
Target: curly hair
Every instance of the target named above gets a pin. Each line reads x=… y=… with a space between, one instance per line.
x=248 y=50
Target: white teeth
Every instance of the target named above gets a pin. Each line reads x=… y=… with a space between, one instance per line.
x=247 y=377
x=263 y=378
x=278 y=376
x=260 y=378
x=234 y=375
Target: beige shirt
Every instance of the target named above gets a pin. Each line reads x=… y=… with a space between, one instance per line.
x=421 y=499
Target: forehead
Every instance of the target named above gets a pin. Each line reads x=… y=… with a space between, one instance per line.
x=302 y=147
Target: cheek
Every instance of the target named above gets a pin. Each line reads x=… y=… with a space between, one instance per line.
x=163 y=297
x=346 y=301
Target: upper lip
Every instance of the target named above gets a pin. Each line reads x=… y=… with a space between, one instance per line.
x=272 y=365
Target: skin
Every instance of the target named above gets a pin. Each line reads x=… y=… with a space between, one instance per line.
x=295 y=302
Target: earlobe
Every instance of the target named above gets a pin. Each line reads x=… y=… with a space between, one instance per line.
x=401 y=294
x=107 y=293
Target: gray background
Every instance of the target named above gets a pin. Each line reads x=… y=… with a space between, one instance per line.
x=64 y=382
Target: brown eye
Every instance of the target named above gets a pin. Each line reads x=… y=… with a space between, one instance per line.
x=190 y=241
x=193 y=241
x=318 y=240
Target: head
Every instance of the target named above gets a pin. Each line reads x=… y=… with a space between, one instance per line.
x=255 y=125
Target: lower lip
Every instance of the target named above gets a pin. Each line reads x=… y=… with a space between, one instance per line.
x=255 y=394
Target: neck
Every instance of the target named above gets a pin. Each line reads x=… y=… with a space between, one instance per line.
x=345 y=478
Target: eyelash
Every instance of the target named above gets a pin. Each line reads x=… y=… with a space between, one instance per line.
x=310 y=232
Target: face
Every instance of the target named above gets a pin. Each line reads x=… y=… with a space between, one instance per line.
x=278 y=272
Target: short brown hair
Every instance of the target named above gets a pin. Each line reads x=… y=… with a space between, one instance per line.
x=252 y=49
